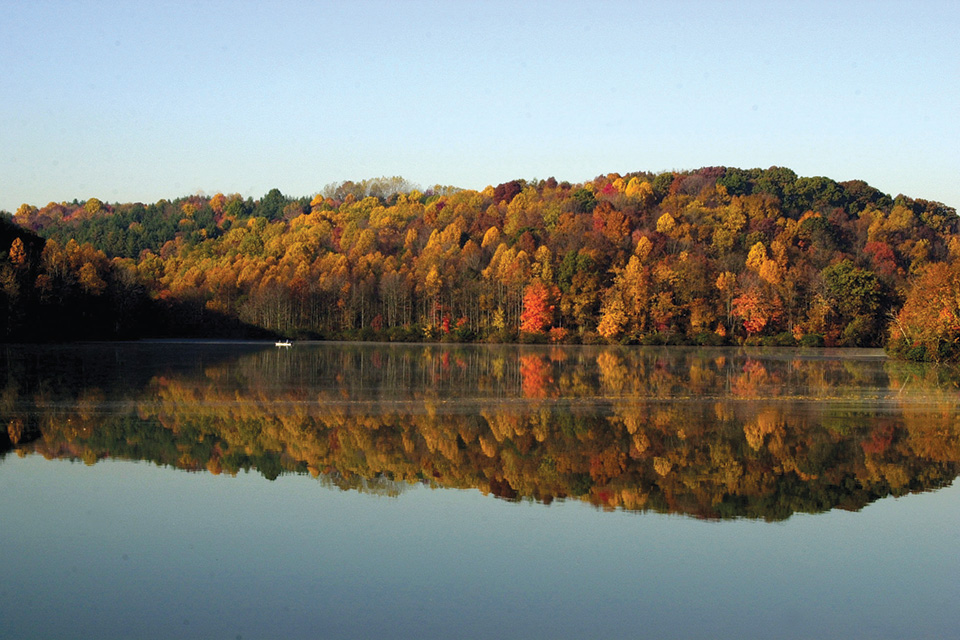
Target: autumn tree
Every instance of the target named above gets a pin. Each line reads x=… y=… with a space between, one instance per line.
x=538 y=308
x=758 y=309
x=928 y=325
x=857 y=298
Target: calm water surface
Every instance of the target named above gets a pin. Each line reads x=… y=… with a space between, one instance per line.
x=345 y=491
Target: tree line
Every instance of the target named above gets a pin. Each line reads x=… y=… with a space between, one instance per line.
x=717 y=255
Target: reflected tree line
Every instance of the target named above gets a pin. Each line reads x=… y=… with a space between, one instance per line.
x=709 y=433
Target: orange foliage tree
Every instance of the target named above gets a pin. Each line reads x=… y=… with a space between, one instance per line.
x=537 y=313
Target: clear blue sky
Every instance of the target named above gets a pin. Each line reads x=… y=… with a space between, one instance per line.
x=137 y=101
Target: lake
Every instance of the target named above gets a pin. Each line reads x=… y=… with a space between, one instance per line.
x=238 y=490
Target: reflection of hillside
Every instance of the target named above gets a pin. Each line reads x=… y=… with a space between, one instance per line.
x=714 y=434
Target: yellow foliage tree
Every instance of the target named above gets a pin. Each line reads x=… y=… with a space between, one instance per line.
x=18 y=254
x=756 y=256
x=612 y=316
x=666 y=224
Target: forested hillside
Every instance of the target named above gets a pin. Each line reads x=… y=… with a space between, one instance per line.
x=713 y=256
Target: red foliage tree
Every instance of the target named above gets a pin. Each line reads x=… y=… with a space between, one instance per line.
x=537 y=312
x=757 y=311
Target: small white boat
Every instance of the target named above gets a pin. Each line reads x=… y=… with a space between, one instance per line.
x=284 y=343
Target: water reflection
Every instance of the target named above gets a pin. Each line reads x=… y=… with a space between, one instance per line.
x=711 y=433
